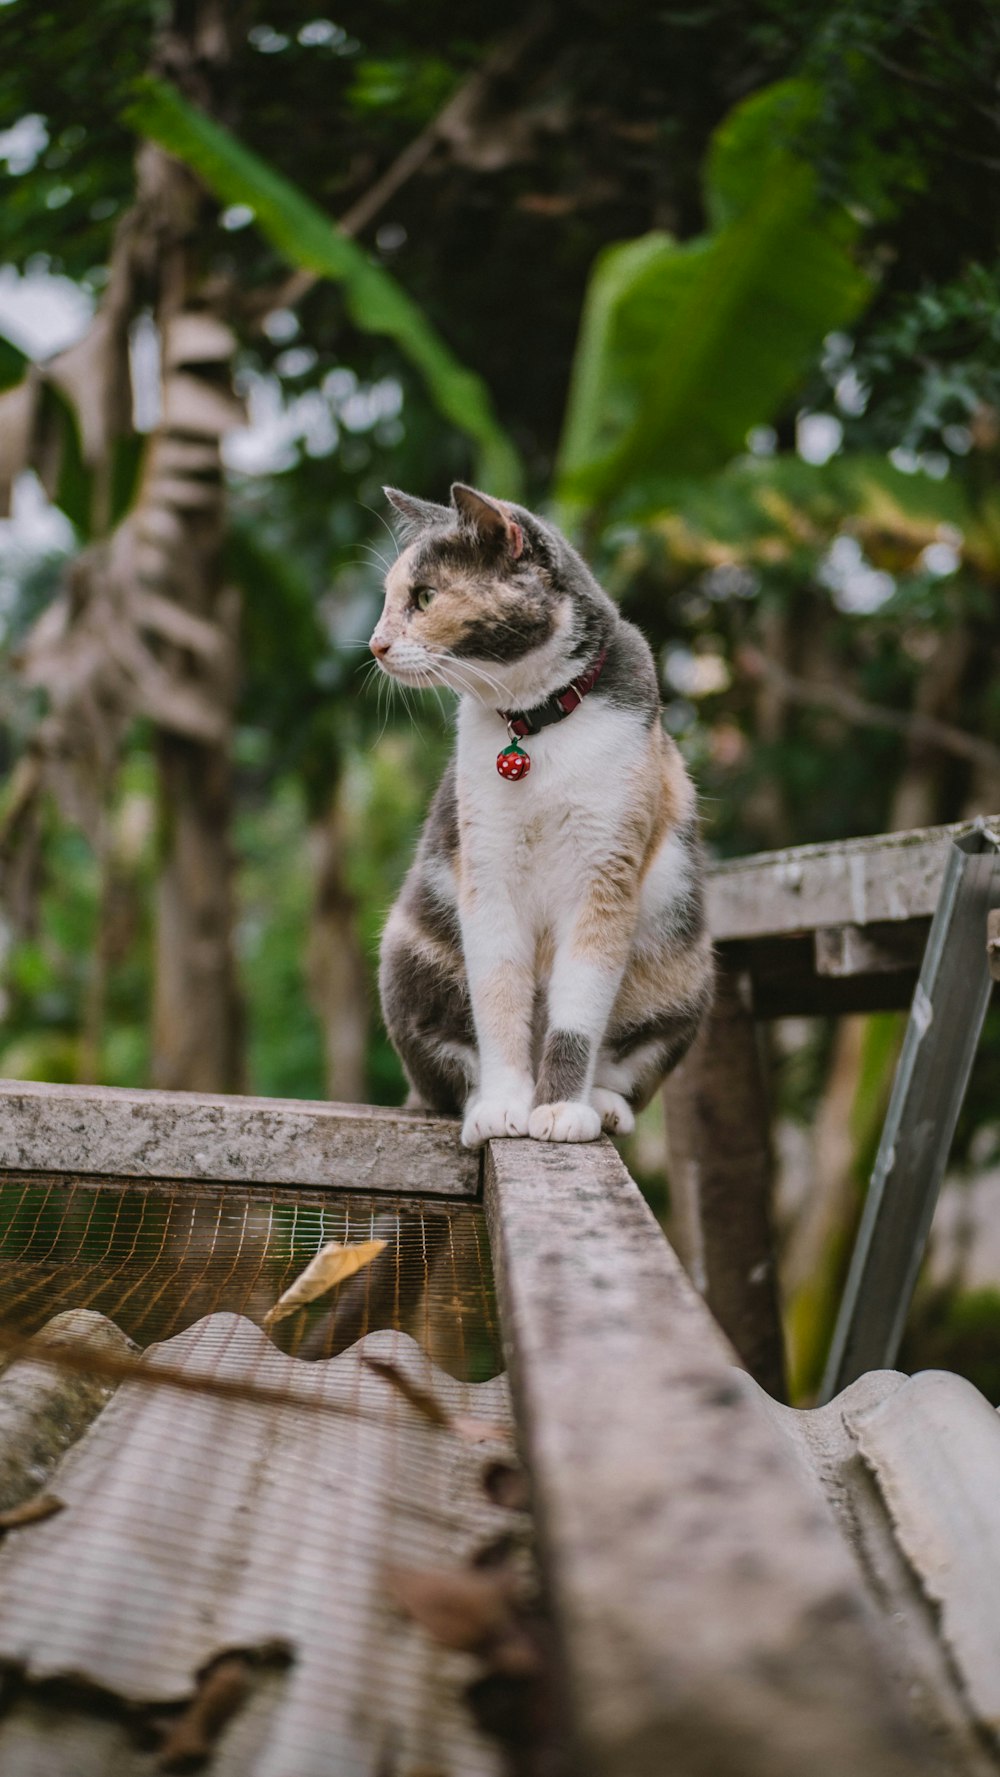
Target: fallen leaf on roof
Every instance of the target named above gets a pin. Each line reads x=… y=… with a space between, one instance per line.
x=425 y=1403
x=331 y=1265
x=480 y=1431
x=31 y=1511
x=464 y=1608
x=222 y=1689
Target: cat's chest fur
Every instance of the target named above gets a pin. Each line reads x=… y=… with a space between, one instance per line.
x=539 y=836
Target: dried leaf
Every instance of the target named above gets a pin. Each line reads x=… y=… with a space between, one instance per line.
x=18 y=409
x=197 y=338
x=222 y=1689
x=176 y=625
x=190 y=404
x=93 y=375
x=507 y=1486
x=480 y=1431
x=31 y=1511
x=424 y=1402
x=331 y=1265
x=466 y=1608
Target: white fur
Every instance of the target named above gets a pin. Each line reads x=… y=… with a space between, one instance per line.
x=528 y=850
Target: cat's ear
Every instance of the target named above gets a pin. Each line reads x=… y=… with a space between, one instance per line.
x=490 y=519
x=417 y=515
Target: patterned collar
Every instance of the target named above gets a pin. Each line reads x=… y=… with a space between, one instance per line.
x=557 y=707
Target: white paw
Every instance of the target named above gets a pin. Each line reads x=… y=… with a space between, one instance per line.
x=489 y=1118
x=564 y=1122
x=614 y=1111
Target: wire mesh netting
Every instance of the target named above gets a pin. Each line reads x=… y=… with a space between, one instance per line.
x=156 y=1257
x=230 y=1564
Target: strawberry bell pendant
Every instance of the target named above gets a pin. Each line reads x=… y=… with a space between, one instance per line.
x=512 y=763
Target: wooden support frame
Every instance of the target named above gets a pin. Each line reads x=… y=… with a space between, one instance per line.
x=820 y=929
x=117 y=1132
x=707 y=1616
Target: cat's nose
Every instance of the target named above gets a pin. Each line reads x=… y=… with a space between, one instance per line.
x=379 y=647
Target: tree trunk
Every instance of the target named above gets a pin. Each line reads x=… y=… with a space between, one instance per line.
x=338 y=978
x=197 y=1012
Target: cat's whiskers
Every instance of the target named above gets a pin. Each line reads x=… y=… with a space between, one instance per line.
x=382 y=521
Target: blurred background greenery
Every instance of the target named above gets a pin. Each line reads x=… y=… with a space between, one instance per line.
x=716 y=285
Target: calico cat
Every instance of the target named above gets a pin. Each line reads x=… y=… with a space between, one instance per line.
x=546 y=962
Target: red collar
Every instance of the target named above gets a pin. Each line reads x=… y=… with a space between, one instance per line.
x=558 y=706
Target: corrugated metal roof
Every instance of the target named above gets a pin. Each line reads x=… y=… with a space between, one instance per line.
x=194 y=1524
x=911 y=1467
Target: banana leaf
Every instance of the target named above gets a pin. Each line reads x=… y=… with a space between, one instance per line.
x=684 y=347
x=307 y=238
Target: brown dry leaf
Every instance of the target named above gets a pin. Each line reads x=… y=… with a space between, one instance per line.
x=18 y=411
x=480 y=1431
x=221 y=1691
x=31 y=1511
x=331 y=1265
x=420 y=1398
x=508 y=1486
x=465 y=1608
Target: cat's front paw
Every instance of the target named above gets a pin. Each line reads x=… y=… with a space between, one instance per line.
x=487 y=1119
x=570 y=1121
x=614 y=1111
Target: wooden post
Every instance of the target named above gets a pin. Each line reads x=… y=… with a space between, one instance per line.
x=720 y=1171
x=709 y=1618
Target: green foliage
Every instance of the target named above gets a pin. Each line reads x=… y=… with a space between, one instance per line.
x=307 y=238
x=684 y=348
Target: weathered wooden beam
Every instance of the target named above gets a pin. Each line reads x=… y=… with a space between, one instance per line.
x=720 y=1168
x=844 y=952
x=890 y=877
x=121 y=1133
x=710 y=1619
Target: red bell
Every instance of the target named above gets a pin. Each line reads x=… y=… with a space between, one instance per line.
x=512 y=763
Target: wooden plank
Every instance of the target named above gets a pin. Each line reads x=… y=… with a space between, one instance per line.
x=720 y=1168
x=892 y=877
x=256 y=1141
x=709 y=1617
x=844 y=952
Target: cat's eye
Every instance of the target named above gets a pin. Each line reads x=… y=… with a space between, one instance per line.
x=422 y=596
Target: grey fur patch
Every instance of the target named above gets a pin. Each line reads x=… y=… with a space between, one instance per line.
x=672 y=1031
x=564 y=1067
x=425 y=1006
x=509 y=636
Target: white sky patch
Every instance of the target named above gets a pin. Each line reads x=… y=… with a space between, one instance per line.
x=321 y=31
x=818 y=436
x=21 y=145
x=42 y=313
x=940 y=559
x=144 y=363
x=237 y=216
x=856 y=586
x=696 y=675
x=281 y=325
x=850 y=393
x=270 y=443
x=34 y=528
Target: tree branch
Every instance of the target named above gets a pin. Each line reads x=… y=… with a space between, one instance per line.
x=501 y=61
x=859 y=712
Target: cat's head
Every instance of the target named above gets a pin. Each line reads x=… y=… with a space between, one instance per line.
x=486 y=598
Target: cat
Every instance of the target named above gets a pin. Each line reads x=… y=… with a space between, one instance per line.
x=546 y=962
